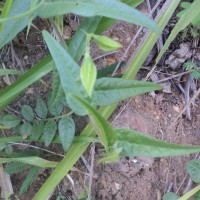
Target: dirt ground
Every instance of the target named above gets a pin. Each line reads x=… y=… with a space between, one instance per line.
x=133 y=178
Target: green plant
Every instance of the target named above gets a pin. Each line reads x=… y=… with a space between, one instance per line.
x=69 y=81
x=189 y=65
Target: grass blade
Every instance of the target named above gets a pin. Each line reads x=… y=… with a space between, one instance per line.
x=5 y=11
x=32 y=160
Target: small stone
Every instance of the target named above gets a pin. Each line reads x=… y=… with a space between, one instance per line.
x=176 y=108
x=118 y=186
x=25 y=57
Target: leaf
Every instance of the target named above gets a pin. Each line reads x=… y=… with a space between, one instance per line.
x=111 y=157
x=170 y=196
x=27 y=112
x=66 y=129
x=77 y=45
x=26 y=129
x=197 y=196
x=32 y=160
x=16 y=167
x=107 y=8
x=103 y=72
x=105 y=22
x=113 y=90
x=105 y=43
x=193 y=168
x=41 y=109
x=134 y=143
x=31 y=176
x=10 y=121
x=88 y=73
x=9 y=149
x=2 y=146
x=68 y=69
x=37 y=130
x=49 y=132
x=4 y=72
x=102 y=127
x=54 y=101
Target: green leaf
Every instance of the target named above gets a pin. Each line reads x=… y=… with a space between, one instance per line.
x=54 y=101
x=27 y=112
x=107 y=8
x=49 y=132
x=102 y=127
x=4 y=72
x=88 y=73
x=10 y=121
x=15 y=168
x=170 y=196
x=41 y=109
x=103 y=72
x=197 y=196
x=193 y=168
x=68 y=69
x=105 y=43
x=105 y=22
x=2 y=146
x=26 y=129
x=32 y=160
x=37 y=130
x=31 y=176
x=111 y=157
x=112 y=90
x=134 y=143
x=9 y=149
x=77 y=45
x=66 y=129
x=196 y=73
